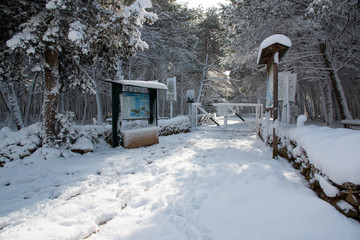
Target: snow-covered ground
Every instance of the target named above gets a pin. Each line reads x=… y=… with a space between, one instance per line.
x=199 y=185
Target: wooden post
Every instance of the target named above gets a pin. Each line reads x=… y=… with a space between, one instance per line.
x=274 y=62
x=271 y=50
x=171 y=109
x=116 y=90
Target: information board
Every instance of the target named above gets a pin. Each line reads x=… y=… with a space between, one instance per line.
x=171 y=92
x=135 y=105
x=270 y=87
x=287 y=82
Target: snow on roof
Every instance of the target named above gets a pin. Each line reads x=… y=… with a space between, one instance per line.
x=137 y=83
x=273 y=39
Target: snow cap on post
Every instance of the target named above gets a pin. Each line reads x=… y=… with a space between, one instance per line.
x=278 y=41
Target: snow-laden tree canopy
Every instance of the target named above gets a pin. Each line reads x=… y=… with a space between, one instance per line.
x=63 y=34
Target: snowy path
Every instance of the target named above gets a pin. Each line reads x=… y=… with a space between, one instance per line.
x=202 y=185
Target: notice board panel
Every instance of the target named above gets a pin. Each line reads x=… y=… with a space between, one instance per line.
x=135 y=105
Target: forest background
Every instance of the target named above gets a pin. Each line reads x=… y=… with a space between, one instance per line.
x=55 y=55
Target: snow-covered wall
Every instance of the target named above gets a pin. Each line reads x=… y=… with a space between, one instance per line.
x=328 y=158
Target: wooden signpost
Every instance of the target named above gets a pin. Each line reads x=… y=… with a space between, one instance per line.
x=171 y=93
x=271 y=50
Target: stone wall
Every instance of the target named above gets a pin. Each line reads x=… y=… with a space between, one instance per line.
x=345 y=198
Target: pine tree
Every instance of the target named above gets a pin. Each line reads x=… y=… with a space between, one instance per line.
x=64 y=33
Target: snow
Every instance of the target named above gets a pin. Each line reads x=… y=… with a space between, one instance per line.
x=180 y=122
x=144 y=84
x=139 y=7
x=145 y=3
x=53 y=4
x=51 y=34
x=301 y=120
x=83 y=144
x=76 y=32
x=335 y=152
x=199 y=185
x=21 y=39
x=273 y=39
x=328 y=188
x=276 y=58
x=343 y=205
x=351 y=122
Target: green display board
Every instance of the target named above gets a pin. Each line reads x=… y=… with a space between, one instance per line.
x=135 y=105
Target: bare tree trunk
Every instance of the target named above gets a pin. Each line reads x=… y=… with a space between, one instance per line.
x=97 y=97
x=85 y=109
x=98 y=106
x=52 y=87
x=29 y=103
x=9 y=92
x=337 y=86
x=13 y=102
x=5 y=101
x=323 y=104
x=329 y=102
x=204 y=72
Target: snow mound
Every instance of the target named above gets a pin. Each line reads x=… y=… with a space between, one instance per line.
x=301 y=120
x=19 y=144
x=15 y=145
x=82 y=145
x=335 y=152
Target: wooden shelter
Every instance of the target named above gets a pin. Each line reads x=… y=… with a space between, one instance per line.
x=135 y=101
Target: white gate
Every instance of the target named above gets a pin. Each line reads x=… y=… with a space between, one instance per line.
x=227 y=116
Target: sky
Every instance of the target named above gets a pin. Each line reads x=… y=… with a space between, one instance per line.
x=204 y=3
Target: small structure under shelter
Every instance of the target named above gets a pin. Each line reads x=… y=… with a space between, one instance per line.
x=135 y=112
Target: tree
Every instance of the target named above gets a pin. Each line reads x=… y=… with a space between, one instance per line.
x=12 y=14
x=324 y=36
x=209 y=29
x=63 y=34
x=337 y=27
x=172 y=49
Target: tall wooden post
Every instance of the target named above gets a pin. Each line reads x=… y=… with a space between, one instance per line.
x=272 y=49
x=116 y=91
x=274 y=62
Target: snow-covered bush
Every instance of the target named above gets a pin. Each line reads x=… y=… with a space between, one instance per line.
x=19 y=144
x=15 y=145
x=180 y=124
x=98 y=134
x=66 y=134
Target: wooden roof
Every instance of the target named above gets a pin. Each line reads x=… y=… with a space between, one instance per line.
x=266 y=53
